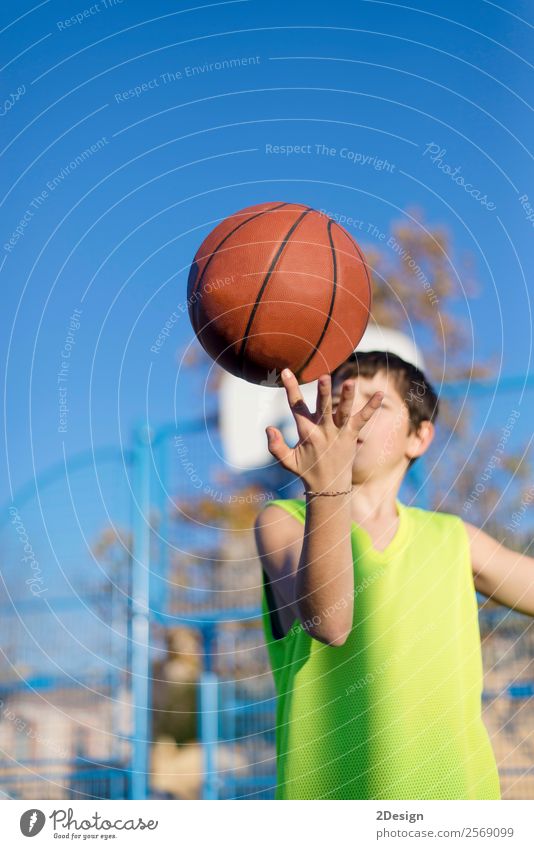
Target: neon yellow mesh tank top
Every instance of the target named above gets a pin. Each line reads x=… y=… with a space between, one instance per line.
x=394 y=713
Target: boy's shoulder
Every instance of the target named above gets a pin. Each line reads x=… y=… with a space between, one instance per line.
x=289 y=513
x=290 y=505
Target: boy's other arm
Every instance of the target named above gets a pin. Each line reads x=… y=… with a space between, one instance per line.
x=310 y=567
x=500 y=573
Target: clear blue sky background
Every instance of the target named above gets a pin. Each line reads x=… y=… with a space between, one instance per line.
x=116 y=236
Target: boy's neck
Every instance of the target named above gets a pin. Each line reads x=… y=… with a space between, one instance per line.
x=375 y=501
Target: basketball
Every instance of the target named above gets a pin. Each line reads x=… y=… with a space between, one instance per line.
x=279 y=285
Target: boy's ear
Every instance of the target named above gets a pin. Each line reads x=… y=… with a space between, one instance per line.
x=420 y=440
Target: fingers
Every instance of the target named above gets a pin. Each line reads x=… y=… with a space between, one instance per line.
x=280 y=449
x=346 y=402
x=294 y=395
x=301 y=413
x=357 y=421
x=323 y=411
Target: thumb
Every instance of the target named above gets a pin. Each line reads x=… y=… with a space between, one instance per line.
x=278 y=447
x=273 y=436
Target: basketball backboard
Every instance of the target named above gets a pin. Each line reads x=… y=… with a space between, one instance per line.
x=246 y=409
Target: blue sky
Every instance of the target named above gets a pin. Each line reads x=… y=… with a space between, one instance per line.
x=114 y=236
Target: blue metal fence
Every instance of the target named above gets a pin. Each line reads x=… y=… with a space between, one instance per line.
x=64 y=660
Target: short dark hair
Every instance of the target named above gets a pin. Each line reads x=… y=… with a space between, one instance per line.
x=410 y=382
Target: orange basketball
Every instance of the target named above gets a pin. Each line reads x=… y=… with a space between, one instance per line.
x=276 y=285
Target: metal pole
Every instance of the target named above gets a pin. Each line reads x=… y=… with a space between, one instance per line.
x=209 y=720
x=141 y=617
x=159 y=593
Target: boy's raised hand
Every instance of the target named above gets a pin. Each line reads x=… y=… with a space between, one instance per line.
x=324 y=454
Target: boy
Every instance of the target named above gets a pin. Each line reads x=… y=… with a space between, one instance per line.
x=369 y=606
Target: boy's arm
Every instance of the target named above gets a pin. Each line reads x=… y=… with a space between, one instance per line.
x=500 y=573
x=317 y=579
x=312 y=569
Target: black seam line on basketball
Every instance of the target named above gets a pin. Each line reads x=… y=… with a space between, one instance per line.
x=221 y=243
x=359 y=254
x=201 y=276
x=332 y=300
x=259 y=296
x=364 y=263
